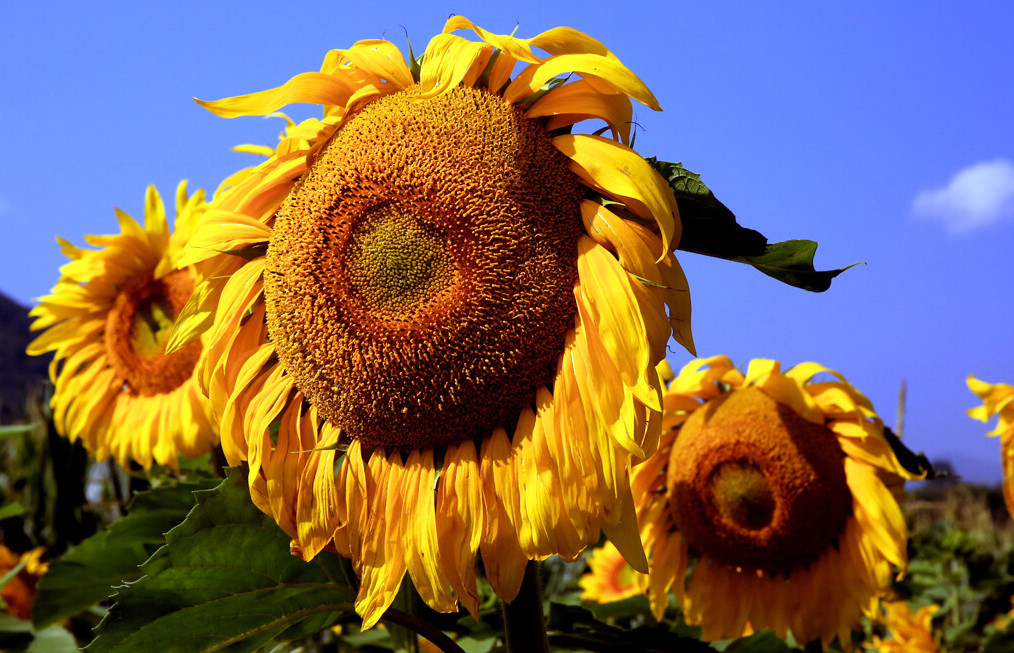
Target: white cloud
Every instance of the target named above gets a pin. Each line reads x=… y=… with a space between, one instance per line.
x=977 y=196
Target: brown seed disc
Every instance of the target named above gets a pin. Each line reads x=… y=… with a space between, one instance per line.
x=754 y=484
x=419 y=278
x=137 y=329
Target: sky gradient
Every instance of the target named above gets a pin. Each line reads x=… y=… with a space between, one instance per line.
x=882 y=131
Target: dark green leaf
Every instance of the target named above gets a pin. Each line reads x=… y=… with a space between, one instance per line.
x=763 y=642
x=915 y=463
x=224 y=581
x=710 y=228
x=575 y=627
x=791 y=262
x=87 y=574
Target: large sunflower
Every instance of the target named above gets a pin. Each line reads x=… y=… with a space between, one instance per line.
x=443 y=338
x=107 y=321
x=773 y=484
x=998 y=399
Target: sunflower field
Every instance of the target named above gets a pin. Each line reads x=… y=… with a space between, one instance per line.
x=403 y=386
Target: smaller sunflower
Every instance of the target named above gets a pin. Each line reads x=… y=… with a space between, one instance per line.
x=910 y=633
x=775 y=487
x=998 y=399
x=611 y=577
x=107 y=321
x=18 y=593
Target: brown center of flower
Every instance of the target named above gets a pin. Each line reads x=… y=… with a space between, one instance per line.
x=137 y=329
x=419 y=278
x=754 y=484
x=742 y=494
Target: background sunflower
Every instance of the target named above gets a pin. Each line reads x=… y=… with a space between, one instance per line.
x=772 y=487
x=107 y=321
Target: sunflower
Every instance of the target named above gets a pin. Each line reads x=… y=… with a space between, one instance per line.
x=442 y=343
x=107 y=320
x=998 y=399
x=18 y=593
x=611 y=578
x=910 y=633
x=772 y=488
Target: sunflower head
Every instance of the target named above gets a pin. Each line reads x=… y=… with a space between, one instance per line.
x=108 y=321
x=773 y=483
x=448 y=284
x=450 y=300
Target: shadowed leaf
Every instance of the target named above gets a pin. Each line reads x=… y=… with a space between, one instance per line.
x=225 y=580
x=88 y=574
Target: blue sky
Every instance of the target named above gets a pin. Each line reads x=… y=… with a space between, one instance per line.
x=881 y=130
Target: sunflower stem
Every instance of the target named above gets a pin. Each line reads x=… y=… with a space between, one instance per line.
x=814 y=646
x=404 y=637
x=524 y=623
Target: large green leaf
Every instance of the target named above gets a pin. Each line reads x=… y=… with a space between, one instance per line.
x=710 y=228
x=88 y=573
x=225 y=580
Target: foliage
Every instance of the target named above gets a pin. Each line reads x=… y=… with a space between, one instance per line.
x=710 y=228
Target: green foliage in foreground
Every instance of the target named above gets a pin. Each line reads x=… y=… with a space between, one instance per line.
x=224 y=580
x=88 y=574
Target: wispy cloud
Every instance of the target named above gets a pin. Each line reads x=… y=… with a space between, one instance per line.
x=977 y=196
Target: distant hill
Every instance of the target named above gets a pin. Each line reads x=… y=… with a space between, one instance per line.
x=21 y=375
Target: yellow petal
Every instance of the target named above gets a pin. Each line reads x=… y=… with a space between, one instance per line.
x=448 y=60
x=621 y=174
x=579 y=101
x=419 y=533
x=381 y=59
x=310 y=87
x=604 y=74
x=625 y=536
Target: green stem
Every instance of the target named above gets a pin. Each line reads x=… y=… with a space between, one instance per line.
x=524 y=623
x=417 y=625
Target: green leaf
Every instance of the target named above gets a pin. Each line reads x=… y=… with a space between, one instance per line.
x=225 y=580
x=12 y=509
x=791 y=262
x=710 y=228
x=762 y=642
x=88 y=574
x=916 y=463
x=55 y=639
